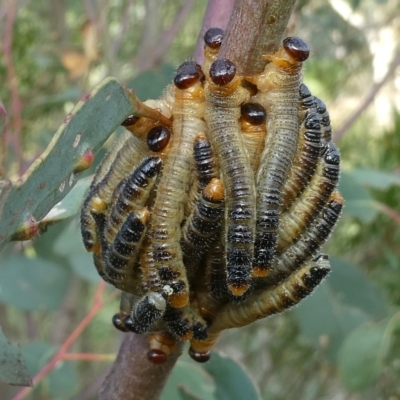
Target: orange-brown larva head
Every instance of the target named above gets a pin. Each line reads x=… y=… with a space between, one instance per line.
x=253 y=113
x=222 y=71
x=118 y=322
x=158 y=138
x=297 y=48
x=199 y=357
x=188 y=74
x=213 y=38
x=131 y=120
x=157 y=356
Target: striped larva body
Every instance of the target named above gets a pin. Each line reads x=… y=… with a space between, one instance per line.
x=254 y=130
x=326 y=127
x=308 y=149
x=161 y=345
x=201 y=226
x=311 y=201
x=224 y=95
x=131 y=195
x=206 y=170
x=279 y=92
x=262 y=304
x=162 y=256
x=146 y=312
x=310 y=241
x=122 y=252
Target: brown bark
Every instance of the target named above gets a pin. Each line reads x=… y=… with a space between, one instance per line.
x=132 y=376
x=255 y=28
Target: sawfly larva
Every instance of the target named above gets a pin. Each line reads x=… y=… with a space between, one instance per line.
x=162 y=254
x=212 y=43
x=313 y=198
x=200 y=228
x=325 y=120
x=301 y=250
x=224 y=96
x=279 y=86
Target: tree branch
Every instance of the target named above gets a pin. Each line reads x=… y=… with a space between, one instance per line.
x=132 y=376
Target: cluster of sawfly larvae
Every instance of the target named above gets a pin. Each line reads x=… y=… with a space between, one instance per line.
x=213 y=216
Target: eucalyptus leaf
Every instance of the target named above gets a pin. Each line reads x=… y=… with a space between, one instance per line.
x=13 y=369
x=194 y=378
x=32 y=284
x=374 y=178
x=232 y=380
x=362 y=355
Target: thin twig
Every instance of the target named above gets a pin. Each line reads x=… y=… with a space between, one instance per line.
x=369 y=98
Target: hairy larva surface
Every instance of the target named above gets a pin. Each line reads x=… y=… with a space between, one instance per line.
x=311 y=201
x=222 y=114
x=279 y=93
x=162 y=256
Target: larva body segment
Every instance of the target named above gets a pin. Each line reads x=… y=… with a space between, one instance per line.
x=131 y=195
x=326 y=127
x=162 y=256
x=122 y=253
x=279 y=93
x=146 y=313
x=312 y=200
x=201 y=226
x=273 y=300
x=254 y=131
x=310 y=241
x=308 y=151
x=224 y=95
x=161 y=345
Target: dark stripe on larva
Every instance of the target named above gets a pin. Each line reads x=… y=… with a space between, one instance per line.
x=309 y=242
x=261 y=304
x=312 y=200
x=200 y=228
x=222 y=114
x=326 y=127
x=279 y=94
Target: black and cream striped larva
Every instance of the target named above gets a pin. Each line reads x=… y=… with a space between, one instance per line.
x=310 y=241
x=313 y=198
x=208 y=214
x=224 y=96
x=279 y=93
x=161 y=261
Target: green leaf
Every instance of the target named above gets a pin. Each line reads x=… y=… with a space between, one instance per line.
x=64 y=382
x=358 y=201
x=32 y=284
x=150 y=84
x=374 y=178
x=362 y=355
x=13 y=369
x=193 y=378
x=69 y=205
x=52 y=175
x=344 y=301
x=185 y=394
x=232 y=380
x=69 y=245
x=37 y=354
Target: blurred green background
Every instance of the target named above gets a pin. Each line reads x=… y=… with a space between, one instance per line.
x=342 y=342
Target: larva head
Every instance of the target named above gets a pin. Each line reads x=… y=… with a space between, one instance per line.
x=213 y=38
x=157 y=356
x=297 y=48
x=158 y=138
x=199 y=357
x=118 y=322
x=188 y=74
x=222 y=71
x=253 y=113
x=131 y=120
